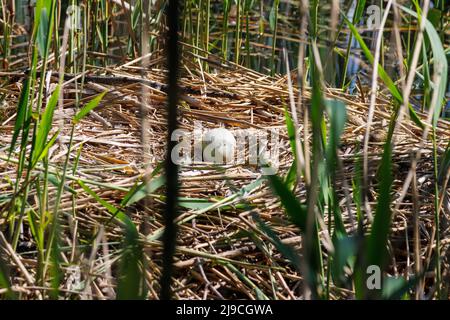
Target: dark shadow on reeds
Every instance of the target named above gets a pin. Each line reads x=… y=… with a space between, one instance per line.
x=170 y=231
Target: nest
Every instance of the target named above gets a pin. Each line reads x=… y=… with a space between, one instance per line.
x=221 y=253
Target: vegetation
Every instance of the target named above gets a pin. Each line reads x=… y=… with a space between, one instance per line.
x=93 y=207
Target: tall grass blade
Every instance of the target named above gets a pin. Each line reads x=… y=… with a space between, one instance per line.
x=377 y=241
x=291 y=177
x=45 y=125
x=383 y=75
x=297 y=213
x=440 y=63
x=88 y=107
x=130 y=286
x=286 y=250
x=23 y=116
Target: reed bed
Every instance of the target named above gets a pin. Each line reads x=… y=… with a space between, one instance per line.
x=221 y=252
x=364 y=156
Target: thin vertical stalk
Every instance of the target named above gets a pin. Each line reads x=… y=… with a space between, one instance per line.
x=247 y=36
x=274 y=39
x=208 y=13
x=436 y=215
x=373 y=96
x=226 y=9
x=356 y=17
x=238 y=32
x=197 y=34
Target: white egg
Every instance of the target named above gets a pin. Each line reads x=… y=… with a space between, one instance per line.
x=219 y=146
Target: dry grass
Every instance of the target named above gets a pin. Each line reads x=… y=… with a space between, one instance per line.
x=213 y=243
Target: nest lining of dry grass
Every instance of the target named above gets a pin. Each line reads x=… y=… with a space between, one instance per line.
x=212 y=242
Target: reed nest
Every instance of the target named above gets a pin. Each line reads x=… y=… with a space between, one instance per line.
x=221 y=253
